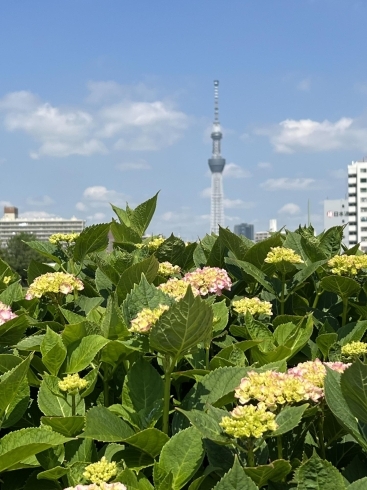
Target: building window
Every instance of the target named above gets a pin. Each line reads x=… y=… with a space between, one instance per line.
x=363 y=210
x=352 y=195
x=343 y=221
x=363 y=170
x=364 y=228
x=364 y=218
x=352 y=233
x=342 y=205
x=363 y=199
x=363 y=189
x=362 y=181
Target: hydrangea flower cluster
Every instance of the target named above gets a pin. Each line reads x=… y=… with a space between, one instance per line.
x=166 y=269
x=5 y=313
x=253 y=306
x=100 y=472
x=176 y=288
x=209 y=280
x=102 y=486
x=304 y=382
x=146 y=318
x=354 y=349
x=72 y=383
x=283 y=254
x=348 y=265
x=6 y=279
x=155 y=243
x=53 y=282
x=58 y=238
x=249 y=421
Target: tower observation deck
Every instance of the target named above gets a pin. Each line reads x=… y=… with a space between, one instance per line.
x=216 y=165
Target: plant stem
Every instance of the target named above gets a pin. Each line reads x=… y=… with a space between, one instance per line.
x=320 y=424
x=250 y=455
x=73 y=405
x=280 y=447
x=317 y=297
x=106 y=387
x=207 y=354
x=167 y=394
x=345 y=311
x=282 y=295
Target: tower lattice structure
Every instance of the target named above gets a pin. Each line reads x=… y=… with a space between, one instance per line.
x=216 y=164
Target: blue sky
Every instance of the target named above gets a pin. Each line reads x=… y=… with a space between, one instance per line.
x=111 y=101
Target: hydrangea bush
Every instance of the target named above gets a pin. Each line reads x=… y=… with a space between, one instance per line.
x=220 y=364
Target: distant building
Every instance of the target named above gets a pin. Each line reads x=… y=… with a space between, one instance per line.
x=273 y=226
x=357 y=203
x=41 y=228
x=245 y=229
x=261 y=235
x=336 y=214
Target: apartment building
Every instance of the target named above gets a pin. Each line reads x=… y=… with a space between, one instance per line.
x=357 y=203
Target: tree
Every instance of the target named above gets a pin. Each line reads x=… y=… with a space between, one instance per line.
x=19 y=255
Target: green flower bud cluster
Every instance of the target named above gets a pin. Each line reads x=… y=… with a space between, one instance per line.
x=72 y=383
x=249 y=421
x=354 y=349
x=58 y=238
x=166 y=269
x=100 y=472
x=347 y=265
x=146 y=318
x=283 y=254
x=252 y=305
x=54 y=282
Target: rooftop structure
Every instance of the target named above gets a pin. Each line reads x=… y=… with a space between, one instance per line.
x=41 y=228
x=216 y=164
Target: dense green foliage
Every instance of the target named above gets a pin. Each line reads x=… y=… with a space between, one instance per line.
x=154 y=401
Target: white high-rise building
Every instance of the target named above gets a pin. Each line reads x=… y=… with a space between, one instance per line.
x=336 y=214
x=357 y=203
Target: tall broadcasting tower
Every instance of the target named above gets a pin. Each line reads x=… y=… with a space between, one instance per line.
x=216 y=164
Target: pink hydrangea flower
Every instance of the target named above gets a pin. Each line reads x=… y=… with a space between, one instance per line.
x=5 y=313
x=209 y=280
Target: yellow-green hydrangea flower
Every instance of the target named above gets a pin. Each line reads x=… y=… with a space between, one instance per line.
x=6 y=279
x=155 y=243
x=58 y=238
x=101 y=486
x=100 y=472
x=176 y=288
x=166 y=269
x=146 y=318
x=349 y=265
x=72 y=383
x=354 y=349
x=252 y=305
x=54 y=282
x=249 y=421
x=283 y=254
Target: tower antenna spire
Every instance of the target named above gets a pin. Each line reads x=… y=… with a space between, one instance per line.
x=216 y=165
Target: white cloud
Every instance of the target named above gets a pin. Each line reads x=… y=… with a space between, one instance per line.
x=304 y=85
x=98 y=194
x=80 y=206
x=308 y=135
x=285 y=183
x=141 y=165
x=264 y=165
x=122 y=121
x=237 y=204
x=36 y=215
x=340 y=173
x=231 y=170
x=40 y=201
x=96 y=217
x=206 y=193
x=290 y=208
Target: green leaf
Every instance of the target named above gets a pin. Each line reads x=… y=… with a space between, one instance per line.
x=14 y=393
x=294 y=337
x=67 y=426
x=220 y=317
x=306 y=272
x=317 y=474
x=143 y=295
x=339 y=407
x=345 y=287
x=14 y=292
x=325 y=341
x=236 y=244
x=257 y=253
x=207 y=423
x=142 y=215
x=54 y=402
x=142 y=394
x=226 y=355
x=12 y=331
x=358 y=485
x=122 y=215
x=19 y=445
x=293 y=240
x=36 y=269
x=104 y=426
x=347 y=335
x=132 y=275
x=183 y=455
x=123 y=233
x=235 y=479
x=53 y=351
x=149 y=441
x=275 y=471
x=353 y=384
x=288 y=418
x=252 y=271
x=187 y=323
x=113 y=326
x=93 y=239
x=171 y=250
x=46 y=249
x=82 y=352
x=52 y=474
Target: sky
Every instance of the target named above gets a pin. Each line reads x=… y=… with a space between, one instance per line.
x=108 y=101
